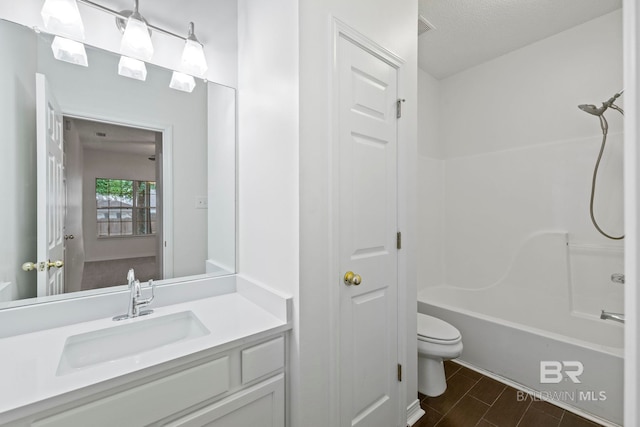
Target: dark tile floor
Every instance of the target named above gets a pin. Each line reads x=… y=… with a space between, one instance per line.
x=474 y=400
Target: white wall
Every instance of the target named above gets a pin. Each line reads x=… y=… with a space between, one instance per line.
x=114 y=165
x=18 y=145
x=268 y=142
x=74 y=256
x=283 y=147
x=215 y=27
x=392 y=25
x=529 y=96
x=431 y=168
x=519 y=154
x=268 y=139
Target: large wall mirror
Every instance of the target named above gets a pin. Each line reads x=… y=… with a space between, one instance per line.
x=144 y=176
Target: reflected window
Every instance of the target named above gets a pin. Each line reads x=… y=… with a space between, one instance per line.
x=125 y=207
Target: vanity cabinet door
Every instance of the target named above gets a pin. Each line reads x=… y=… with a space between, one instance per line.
x=262 y=360
x=260 y=405
x=150 y=402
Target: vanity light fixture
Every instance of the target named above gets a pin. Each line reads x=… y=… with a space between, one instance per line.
x=136 y=39
x=132 y=68
x=62 y=19
x=69 y=51
x=193 y=59
x=183 y=82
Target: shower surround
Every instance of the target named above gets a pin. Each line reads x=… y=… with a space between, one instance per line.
x=507 y=251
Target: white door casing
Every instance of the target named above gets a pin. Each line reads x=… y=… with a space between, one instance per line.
x=50 y=187
x=164 y=178
x=367 y=197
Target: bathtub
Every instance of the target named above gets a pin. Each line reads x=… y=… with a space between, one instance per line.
x=541 y=319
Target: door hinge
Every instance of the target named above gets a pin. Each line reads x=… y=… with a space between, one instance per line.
x=399 y=108
x=399 y=372
x=399 y=240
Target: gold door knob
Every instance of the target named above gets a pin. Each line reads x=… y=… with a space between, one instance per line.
x=56 y=264
x=350 y=278
x=29 y=266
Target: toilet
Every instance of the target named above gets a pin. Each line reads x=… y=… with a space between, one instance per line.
x=437 y=341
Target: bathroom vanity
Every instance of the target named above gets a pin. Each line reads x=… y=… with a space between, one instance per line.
x=218 y=360
x=214 y=350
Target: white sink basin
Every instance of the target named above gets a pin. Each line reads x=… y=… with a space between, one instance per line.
x=128 y=339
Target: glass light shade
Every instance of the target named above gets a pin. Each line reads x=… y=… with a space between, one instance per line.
x=183 y=82
x=136 y=42
x=63 y=17
x=132 y=68
x=193 y=59
x=69 y=51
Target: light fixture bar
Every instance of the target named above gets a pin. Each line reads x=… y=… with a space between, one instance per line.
x=121 y=16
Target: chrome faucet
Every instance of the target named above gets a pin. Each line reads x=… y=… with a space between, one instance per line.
x=618 y=317
x=131 y=277
x=135 y=301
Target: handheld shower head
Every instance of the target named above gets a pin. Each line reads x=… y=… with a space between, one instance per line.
x=599 y=112
x=592 y=109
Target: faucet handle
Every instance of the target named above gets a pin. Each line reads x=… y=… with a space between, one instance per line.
x=153 y=293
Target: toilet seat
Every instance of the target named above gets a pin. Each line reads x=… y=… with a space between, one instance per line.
x=434 y=330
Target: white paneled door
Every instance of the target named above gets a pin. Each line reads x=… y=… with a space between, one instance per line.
x=51 y=191
x=368 y=352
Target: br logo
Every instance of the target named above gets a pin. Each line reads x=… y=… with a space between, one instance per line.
x=551 y=371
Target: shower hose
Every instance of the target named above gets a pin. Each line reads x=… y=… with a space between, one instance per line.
x=605 y=127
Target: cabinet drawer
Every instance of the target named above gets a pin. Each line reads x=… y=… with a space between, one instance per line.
x=259 y=405
x=262 y=359
x=149 y=402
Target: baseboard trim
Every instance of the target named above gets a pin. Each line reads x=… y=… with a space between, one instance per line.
x=414 y=413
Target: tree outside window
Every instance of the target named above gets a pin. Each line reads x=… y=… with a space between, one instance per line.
x=125 y=207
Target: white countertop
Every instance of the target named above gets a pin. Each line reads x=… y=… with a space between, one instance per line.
x=29 y=362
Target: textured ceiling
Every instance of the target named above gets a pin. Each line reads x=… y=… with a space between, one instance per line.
x=469 y=32
x=118 y=138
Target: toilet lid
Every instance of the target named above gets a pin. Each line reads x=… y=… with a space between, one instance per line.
x=431 y=327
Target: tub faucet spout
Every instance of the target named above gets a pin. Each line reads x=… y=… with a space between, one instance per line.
x=617 y=317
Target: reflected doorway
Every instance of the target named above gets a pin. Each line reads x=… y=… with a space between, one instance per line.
x=113 y=221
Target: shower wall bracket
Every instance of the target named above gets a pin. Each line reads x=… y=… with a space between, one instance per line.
x=617 y=278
